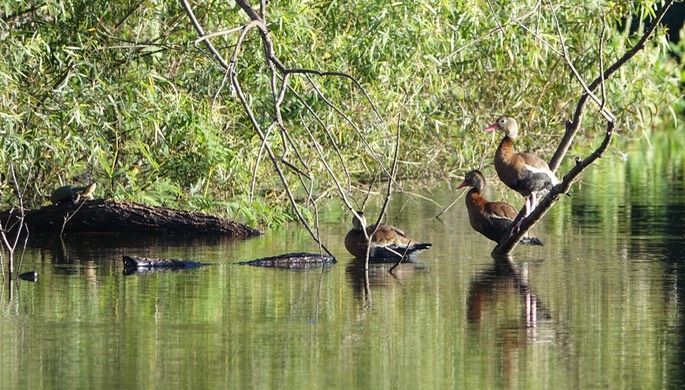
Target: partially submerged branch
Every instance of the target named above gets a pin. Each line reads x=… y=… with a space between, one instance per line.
x=12 y=227
x=280 y=82
x=513 y=236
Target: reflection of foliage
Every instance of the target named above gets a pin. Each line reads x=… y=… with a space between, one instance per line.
x=113 y=92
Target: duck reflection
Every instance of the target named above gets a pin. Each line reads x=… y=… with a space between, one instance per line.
x=505 y=316
x=387 y=274
x=498 y=290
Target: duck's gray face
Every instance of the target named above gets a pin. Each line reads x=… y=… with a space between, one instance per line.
x=477 y=180
x=359 y=223
x=505 y=124
x=473 y=179
x=508 y=126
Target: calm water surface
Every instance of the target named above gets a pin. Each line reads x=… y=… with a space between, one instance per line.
x=601 y=305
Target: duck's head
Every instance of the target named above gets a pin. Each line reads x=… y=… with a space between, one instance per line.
x=90 y=189
x=359 y=223
x=473 y=179
x=507 y=125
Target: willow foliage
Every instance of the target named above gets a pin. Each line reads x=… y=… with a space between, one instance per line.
x=119 y=92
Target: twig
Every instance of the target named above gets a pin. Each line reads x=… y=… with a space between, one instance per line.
x=68 y=217
x=494 y=16
x=11 y=243
x=492 y=32
x=600 y=52
x=393 y=171
x=604 y=111
x=319 y=151
x=329 y=135
x=258 y=160
x=443 y=211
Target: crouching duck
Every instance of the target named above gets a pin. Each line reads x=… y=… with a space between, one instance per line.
x=387 y=241
x=491 y=219
x=524 y=173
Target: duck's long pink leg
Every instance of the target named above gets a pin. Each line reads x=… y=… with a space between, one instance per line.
x=527 y=211
x=531 y=204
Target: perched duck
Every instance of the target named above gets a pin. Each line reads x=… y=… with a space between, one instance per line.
x=491 y=219
x=524 y=173
x=70 y=193
x=387 y=242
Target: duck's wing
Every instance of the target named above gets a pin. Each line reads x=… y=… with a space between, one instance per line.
x=499 y=210
x=388 y=235
x=536 y=169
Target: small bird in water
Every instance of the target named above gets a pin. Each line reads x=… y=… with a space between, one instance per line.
x=524 y=173
x=386 y=241
x=491 y=219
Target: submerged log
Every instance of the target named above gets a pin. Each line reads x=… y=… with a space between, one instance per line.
x=135 y=264
x=116 y=216
x=31 y=276
x=292 y=261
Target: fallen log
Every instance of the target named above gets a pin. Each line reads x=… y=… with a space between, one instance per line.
x=31 y=276
x=297 y=261
x=117 y=216
x=137 y=264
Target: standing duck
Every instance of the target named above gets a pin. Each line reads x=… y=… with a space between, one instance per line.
x=387 y=242
x=524 y=173
x=491 y=219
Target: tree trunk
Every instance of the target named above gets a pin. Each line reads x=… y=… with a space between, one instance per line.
x=114 y=216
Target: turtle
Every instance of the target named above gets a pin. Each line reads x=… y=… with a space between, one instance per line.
x=70 y=193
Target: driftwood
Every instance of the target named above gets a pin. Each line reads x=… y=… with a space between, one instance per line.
x=145 y=264
x=115 y=216
x=292 y=261
x=31 y=276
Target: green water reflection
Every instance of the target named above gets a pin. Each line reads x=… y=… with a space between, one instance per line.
x=599 y=306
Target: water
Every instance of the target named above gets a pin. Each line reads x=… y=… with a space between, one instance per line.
x=599 y=306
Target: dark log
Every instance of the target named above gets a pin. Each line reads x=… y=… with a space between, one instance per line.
x=145 y=263
x=292 y=261
x=116 y=216
x=31 y=276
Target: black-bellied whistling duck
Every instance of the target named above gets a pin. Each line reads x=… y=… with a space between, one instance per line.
x=387 y=242
x=491 y=219
x=524 y=173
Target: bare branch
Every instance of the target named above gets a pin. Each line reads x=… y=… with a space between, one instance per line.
x=511 y=239
x=604 y=111
x=573 y=125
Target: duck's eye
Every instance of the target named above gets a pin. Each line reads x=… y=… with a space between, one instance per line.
x=501 y=121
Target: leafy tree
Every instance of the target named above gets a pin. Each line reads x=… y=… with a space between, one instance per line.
x=122 y=93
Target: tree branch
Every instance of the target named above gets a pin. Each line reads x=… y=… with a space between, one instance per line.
x=279 y=83
x=511 y=238
x=573 y=125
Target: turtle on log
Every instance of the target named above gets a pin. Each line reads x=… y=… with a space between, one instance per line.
x=70 y=193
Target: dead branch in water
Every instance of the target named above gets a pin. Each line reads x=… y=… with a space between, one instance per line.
x=280 y=77
x=505 y=247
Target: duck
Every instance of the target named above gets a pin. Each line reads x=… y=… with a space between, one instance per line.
x=387 y=241
x=524 y=173
x=491 y=219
